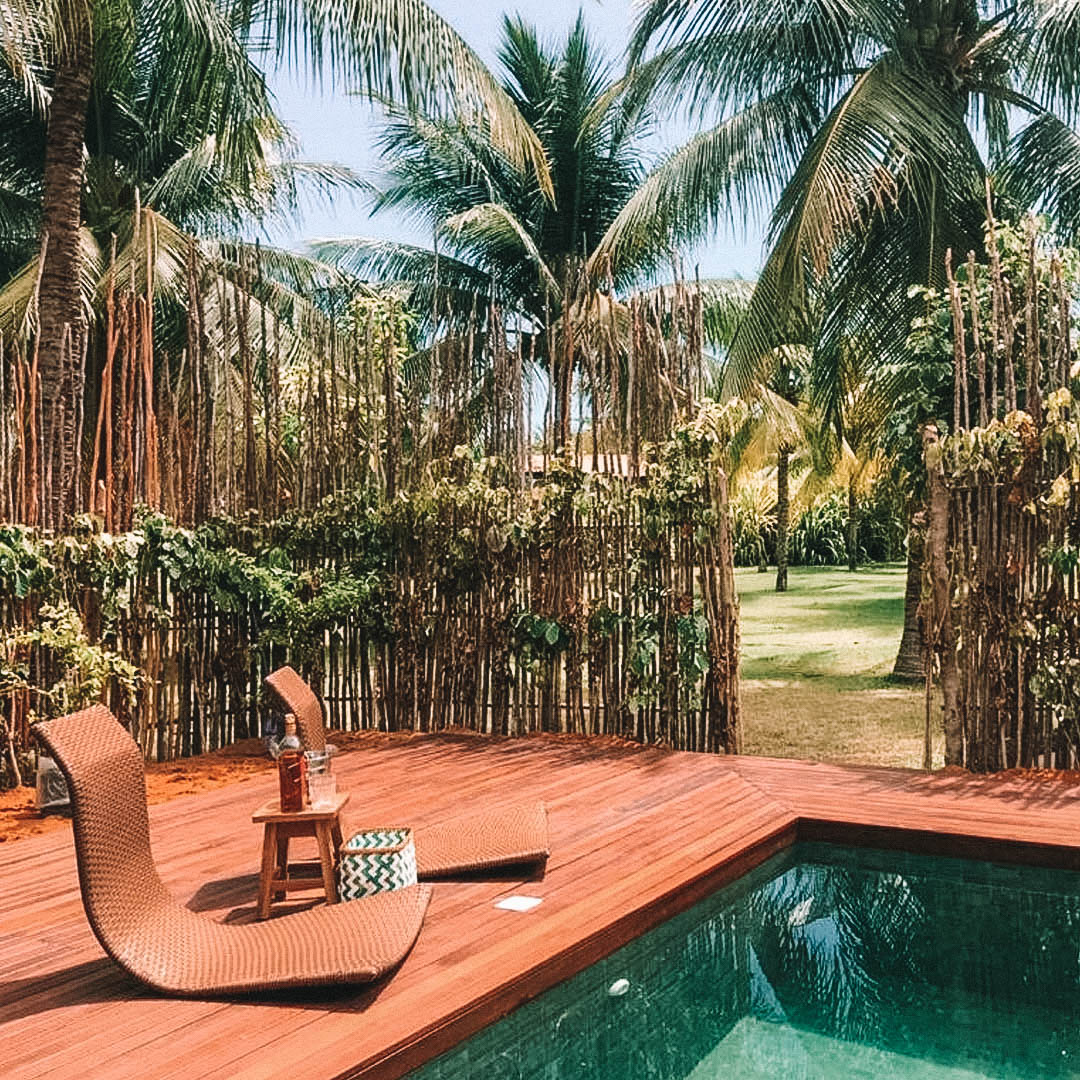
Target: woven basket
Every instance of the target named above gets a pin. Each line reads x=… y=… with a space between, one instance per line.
x=376 y=860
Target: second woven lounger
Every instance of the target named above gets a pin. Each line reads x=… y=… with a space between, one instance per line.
x=471 y=843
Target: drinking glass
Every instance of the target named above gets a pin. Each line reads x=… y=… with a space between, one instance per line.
x=322 y=788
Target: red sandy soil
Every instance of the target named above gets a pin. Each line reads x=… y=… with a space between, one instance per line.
x=164 y=781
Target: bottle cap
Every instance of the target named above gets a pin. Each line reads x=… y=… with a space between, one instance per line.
x=290 y=724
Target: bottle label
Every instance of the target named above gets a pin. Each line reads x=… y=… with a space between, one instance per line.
x=291 y=778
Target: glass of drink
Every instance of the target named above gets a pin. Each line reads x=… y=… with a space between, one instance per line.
x=322 y=788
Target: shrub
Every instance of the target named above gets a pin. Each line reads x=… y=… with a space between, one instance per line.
x=882 y=522
x=818 y=535
x=753 y=521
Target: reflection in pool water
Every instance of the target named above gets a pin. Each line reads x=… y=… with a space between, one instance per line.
x=826 y=962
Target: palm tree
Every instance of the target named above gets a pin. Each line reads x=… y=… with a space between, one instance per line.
x=212 y=159
x=778 y=429
x=786 y=385
x=500 y=242
x=860 y=127
x=60 y=51
x=60 y=312
x=164 y=159
x=867 y=131
x=783 y=431
x=853 y=398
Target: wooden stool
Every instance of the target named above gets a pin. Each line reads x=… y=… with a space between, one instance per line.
x=275 y=879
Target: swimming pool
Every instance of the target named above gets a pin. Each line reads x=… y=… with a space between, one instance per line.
x=825 y=962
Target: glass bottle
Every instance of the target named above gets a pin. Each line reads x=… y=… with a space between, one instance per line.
x=291 y=769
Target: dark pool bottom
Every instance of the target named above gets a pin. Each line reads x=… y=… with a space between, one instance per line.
x=825 y=962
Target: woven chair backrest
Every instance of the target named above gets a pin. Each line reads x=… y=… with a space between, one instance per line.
x=104 y=770
x=299 y=699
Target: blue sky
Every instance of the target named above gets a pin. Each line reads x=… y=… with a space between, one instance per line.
x=339 y=128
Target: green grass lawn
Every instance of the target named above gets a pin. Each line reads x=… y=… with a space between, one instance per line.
x=815 y=667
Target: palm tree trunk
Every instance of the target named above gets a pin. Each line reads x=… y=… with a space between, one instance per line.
x=61 y=323
x=783 y=510
x=565 y=400
x=852 y=527
x=910 y=659
x=943 y=631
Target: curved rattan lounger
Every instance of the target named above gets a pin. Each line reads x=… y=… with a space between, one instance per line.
x=298 y=698
x=173 y=949
x=487 y=840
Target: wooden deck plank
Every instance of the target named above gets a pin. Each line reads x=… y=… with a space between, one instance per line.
x=988 y=817
x=637 y=834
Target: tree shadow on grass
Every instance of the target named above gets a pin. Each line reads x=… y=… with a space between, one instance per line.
x=812 y=664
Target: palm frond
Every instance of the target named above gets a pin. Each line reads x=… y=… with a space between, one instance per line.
x=759 y=46
x=890 y=153
x=18 y=297
x=439 y=287
x=1053 y=51
x=196 y=76
x=1042 y=169
x=23 y=43
x=723 y=304
x=886 y=121
x=436 y=168
x=729 y=174
x=39 y=31
x=491 y=225
x=403 y=50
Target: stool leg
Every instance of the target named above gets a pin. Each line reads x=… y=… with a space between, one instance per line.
x=266 y=874
x=326 y=858
x=335 y=835
x=282 y=860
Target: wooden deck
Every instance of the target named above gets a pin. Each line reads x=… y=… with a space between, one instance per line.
x=637 y=834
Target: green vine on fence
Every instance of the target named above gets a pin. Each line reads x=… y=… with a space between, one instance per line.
x=537 y=590
x=1004 y=488
x=86 y=670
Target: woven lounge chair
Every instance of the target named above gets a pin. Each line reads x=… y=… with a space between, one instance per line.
x=173 y=949
x=486 y=840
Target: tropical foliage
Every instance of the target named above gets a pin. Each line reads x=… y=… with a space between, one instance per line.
x=818 y=533
x=167 y=94
x=865 y=131
x=457 y=603
x=503 y=246
x=183 y=144
x=209 y=410
x=872 y=138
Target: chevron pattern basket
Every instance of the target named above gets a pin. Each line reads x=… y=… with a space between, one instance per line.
x=376 y=860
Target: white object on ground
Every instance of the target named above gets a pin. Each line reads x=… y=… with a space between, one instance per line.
x=519 y=903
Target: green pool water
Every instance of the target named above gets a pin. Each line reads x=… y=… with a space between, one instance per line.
x=826 y=962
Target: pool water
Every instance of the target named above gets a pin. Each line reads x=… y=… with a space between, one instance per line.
x=825 y=962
